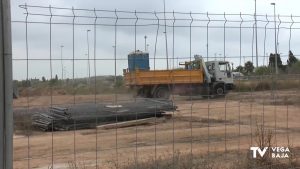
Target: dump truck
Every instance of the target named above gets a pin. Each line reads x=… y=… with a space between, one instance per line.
x=208 y=79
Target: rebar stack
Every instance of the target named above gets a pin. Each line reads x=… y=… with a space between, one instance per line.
x=89 y=115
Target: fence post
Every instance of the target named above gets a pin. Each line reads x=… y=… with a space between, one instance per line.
x=6 y=87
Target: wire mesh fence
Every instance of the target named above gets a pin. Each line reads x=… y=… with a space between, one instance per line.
x=71 y=74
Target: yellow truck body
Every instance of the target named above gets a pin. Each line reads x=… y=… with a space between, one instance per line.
x=160 y=77
x=193 y=79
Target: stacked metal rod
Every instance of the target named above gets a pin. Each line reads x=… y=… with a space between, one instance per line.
x=88 y=115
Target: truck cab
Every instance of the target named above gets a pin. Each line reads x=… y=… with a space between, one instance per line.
x=221 y=76
x=217 y=71
x=218 y=74
x=220 y=70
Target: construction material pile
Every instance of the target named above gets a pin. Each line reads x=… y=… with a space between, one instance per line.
x=89 y=115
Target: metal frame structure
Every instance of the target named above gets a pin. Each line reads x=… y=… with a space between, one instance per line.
x=6 y=114
x=158 y=21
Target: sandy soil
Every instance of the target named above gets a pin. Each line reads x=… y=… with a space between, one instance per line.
x=198 y=126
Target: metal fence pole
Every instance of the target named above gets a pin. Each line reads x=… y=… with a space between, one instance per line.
x=6 y=93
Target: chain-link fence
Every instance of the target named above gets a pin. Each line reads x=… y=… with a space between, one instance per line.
x=77 y=108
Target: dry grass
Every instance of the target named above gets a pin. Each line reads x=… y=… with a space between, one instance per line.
x=63 y=143
x=269 y=84
x=22 y=124
x=186 y=161
x=263 y=137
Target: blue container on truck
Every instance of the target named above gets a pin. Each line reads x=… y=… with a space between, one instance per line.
x=138 y=60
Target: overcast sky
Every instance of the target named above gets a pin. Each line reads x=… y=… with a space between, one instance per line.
x=39 y=46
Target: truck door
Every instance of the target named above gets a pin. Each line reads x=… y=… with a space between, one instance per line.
x=224 y=74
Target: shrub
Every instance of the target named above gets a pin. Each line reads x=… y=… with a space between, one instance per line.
x=263 y=70
x=295 y=68
x=263 y=85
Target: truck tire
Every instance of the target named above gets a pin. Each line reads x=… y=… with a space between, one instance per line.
x=219 y=90
x=162 y=92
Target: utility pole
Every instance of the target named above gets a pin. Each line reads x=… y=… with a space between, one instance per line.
x=6 y=88
x=115 y=58
x=276 y=66
x=62 y=65
x=145 y=43
x=256 y=48
x=166 y=36
x=88 y=54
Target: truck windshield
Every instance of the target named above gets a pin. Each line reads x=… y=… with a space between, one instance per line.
x=224 y=66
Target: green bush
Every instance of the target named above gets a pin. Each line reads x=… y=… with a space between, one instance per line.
x=263 y=70
x=295 y=68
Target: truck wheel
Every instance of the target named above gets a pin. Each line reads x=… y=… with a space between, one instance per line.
x=219 y=90
x=162 y=92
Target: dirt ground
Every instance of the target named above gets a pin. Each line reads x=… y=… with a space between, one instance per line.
x=199 y=127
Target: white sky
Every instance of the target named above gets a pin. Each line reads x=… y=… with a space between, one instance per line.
x=38 y=35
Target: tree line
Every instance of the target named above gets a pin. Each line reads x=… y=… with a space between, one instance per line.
x=292 y=66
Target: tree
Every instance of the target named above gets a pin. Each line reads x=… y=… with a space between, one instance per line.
x=272 y=60
x=292 y=59
x=53 y=81
x=25 y=83
x=119 y=82
x=240 y=69
x=249 y=67
x=263 y=70
x=43 y=79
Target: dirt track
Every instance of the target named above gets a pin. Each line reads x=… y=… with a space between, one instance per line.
x=199 y=125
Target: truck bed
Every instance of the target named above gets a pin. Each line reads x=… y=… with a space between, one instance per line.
x=153 y=77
